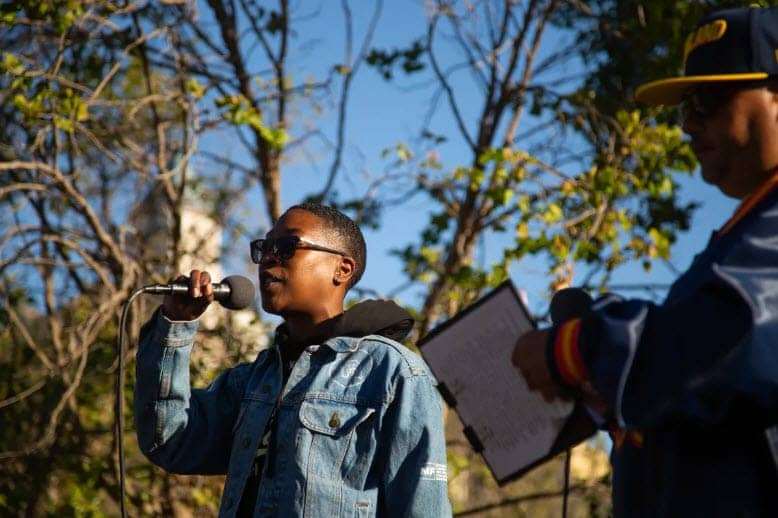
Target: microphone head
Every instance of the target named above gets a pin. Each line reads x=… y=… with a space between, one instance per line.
x=241 y=292
x=568 y=304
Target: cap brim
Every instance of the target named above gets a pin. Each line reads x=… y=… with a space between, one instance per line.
x=670 y=91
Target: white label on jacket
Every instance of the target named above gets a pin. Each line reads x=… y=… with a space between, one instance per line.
x=433 y=471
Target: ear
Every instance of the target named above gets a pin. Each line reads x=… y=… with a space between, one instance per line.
x=344 y=271
x=772 y=90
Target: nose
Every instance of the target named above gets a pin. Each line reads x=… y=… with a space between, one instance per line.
x=267 y=260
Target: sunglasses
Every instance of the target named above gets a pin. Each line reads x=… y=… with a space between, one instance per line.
x=703 y=101
x=283 y=248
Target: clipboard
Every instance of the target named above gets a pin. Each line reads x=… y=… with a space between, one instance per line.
x=511 y=427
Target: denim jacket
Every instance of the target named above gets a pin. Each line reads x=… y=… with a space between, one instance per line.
x=359 y=431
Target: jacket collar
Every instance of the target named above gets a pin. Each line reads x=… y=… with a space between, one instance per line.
x=339 y=344
x=370 y=317
x=343 y=344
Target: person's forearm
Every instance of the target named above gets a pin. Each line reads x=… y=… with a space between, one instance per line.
x=162 y=389
x=649 y=363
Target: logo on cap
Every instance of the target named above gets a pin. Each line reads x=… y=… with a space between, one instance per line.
x=705 y=34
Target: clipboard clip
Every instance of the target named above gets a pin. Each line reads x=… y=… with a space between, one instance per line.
x=473 y=439
x=447 y=396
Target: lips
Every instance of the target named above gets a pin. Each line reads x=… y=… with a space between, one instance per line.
x=267 y=279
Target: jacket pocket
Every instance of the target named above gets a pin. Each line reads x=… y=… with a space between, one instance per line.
x=333 y=418
x=331 y=426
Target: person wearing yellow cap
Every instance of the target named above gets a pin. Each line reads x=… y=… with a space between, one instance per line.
x=689 y=388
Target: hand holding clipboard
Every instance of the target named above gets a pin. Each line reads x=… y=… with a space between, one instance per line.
x=512 y=426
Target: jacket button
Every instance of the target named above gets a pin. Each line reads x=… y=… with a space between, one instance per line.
x=334 y=420
x=246 y=442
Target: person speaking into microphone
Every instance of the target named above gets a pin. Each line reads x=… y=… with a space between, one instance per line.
x=689 y=388
x=336 y=419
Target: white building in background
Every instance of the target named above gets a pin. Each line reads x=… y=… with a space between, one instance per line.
x=200 y=247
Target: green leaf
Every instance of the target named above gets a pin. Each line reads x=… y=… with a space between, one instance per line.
x=11 y=64
x=194 y=88
x=8 y=18
x=490 y=155
x=63 y=123
x=403 y=153
x=82 y=112
x=276 y=137
x=552 y=214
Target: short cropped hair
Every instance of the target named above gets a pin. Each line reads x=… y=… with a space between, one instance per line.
x=347 y=233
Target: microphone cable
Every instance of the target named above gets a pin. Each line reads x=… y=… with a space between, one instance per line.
x=119 y=405
x=237 y=292
x=566 y=490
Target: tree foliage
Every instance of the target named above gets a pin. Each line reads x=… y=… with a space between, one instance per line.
x=104 y=108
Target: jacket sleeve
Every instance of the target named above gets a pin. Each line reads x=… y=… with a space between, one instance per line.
x=180 y=429
x=415 y=472
x=700 y=358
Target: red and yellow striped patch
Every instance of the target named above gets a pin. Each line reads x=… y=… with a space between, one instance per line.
x=568 y=355
x=636 y=438
x=619 y=436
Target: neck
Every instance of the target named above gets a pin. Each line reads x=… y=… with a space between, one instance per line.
x=304 y=328
x=765 y=181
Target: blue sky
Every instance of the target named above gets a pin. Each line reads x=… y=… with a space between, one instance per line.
x=382 y=114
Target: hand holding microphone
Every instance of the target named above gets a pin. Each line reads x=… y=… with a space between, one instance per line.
x=185 y=299
x=188 y=297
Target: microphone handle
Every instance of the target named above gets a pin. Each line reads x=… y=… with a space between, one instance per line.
x=220 y=290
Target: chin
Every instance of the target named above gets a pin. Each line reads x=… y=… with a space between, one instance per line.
x=709 y=174
x=715 y=176
x=269 y=306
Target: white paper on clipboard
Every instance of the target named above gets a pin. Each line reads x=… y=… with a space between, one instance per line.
x=471 y=355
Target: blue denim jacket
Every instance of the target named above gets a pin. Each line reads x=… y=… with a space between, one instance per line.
x=360 y=427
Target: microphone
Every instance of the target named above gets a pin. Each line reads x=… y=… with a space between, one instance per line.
x=568 y=304
x=234 y=292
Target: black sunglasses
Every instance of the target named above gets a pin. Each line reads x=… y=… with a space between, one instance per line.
x=284 y=248
x=705 y=100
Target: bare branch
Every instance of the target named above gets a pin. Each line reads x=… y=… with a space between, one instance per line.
x=25 y=333
x=445 y=84
x=77 y=198
x=348 y=76
x=24 y=394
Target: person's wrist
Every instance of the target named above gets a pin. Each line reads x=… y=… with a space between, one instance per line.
x=177 y=316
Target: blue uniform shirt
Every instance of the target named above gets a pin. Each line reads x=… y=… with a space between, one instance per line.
x=692 y=384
